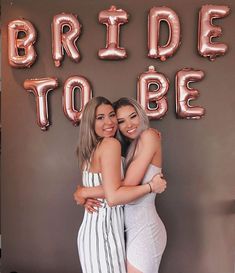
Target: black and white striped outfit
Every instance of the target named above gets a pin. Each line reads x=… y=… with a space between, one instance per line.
x=100 y=239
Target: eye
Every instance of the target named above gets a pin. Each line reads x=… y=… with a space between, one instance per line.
x=112 y=115
x=133 y=116
x=99 y=117
x=120 y=121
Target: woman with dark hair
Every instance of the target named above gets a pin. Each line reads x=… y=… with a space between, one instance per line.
x=101 y=235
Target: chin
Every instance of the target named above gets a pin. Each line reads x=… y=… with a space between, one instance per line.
x=132 y=137
x=109 y=135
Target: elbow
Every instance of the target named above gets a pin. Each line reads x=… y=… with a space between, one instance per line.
x=111 y=201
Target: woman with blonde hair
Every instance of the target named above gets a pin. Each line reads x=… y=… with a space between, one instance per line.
x=101 y=235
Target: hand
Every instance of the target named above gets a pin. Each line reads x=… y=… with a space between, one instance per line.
x=77 y=196
x=158 y=183
x=92 y=205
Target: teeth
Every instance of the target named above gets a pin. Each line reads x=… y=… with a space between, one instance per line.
x=108 y=129
x=131 y=131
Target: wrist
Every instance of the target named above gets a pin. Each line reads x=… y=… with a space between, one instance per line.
x=82 y=192
x=146 y=187
x=150 y=187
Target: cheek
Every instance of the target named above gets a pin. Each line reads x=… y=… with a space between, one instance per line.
x=121 y=128
x=137 y=121
x=114 y=120
x=97 y=127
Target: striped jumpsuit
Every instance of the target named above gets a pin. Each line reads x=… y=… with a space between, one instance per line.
x=100 y=238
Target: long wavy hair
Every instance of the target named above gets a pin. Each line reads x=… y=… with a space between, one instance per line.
x=88 y=139
x=129 y=146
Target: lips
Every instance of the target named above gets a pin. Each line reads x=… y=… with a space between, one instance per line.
x=131 y=131
x=110 y=129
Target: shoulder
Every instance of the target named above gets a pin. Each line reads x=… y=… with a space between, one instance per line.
x=109 y=143
x=109 y=149
x=150 y=134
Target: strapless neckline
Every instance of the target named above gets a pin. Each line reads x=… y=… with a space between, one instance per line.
x=98 y=173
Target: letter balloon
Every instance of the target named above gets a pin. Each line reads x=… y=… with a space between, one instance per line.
x=113 y=18
x=40 y=89
x=207 y=31
x=62 y=40
x=25 y=44
x=68 y=97
x=156 y=15
x=184 y=94
x=158 y=96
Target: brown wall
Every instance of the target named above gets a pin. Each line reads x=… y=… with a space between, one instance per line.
x=39 y=169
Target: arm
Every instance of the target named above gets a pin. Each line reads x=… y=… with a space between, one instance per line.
x=110 y=160
x=89 y=192
x=149 y=144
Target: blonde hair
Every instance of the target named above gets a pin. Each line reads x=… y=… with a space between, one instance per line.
x=88 y=139
x=144 y=124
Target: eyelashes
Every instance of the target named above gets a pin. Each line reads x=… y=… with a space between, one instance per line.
x=131 y=117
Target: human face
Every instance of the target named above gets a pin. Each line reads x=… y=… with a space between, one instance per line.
x=128 y=121
x=105 y=121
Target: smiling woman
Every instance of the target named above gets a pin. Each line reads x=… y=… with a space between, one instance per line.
x=106 y=121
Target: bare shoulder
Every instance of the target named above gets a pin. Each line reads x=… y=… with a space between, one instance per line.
x=149 y=140
x=109 y=143
x=150 y=135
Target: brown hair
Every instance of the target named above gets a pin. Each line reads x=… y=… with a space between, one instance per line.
x=88 y=139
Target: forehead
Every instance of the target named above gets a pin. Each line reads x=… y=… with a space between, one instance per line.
x=104 y=109
x=125 y=110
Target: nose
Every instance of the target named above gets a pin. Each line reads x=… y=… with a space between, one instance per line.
x=108 y=121
x=128 y=123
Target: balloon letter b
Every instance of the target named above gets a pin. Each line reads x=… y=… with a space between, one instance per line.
x=26 y=43
x=145 y=97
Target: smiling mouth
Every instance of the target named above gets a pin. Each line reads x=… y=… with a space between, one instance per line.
x=110 y=129
x=131 y=131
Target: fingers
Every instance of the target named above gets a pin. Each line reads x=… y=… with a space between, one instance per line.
x=90 y=208
x=163 y=187
x=93 y=202
x=92 y=205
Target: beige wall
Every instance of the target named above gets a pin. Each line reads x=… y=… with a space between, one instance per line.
x=39 y=169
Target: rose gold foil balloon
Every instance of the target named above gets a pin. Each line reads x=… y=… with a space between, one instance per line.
x=65 y=40
x=184 y=93
x=40 y=89
x=145 y=96
x=113 y=18
x=207 y=31
x=68 y=97
x=25 y=43
x=156 y=15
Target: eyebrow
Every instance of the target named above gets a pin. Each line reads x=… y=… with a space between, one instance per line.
x=133 y=113
x=111 y=112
